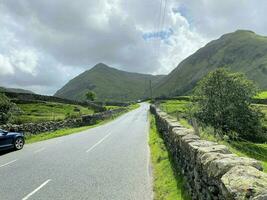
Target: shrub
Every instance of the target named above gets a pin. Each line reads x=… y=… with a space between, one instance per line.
x=5 y=108
x=223 y=100
x=91 y=96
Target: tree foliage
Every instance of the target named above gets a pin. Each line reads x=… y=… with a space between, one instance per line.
x=91 y=96
x=5 y=109
x=223 y=101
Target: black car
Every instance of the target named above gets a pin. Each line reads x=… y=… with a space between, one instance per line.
x=11 y=140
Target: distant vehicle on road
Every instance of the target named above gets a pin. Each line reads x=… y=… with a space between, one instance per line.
x=11 y=140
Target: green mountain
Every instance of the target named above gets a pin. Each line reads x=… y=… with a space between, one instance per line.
x=109 y=84
x=241 y=51
x=15 y=90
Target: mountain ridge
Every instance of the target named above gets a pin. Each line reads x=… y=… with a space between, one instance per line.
x=15 y=90
x=109 y=84
x=240 y=51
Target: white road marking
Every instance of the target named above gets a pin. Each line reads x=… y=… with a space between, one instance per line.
x=8 y=163
x=100 y=141
x=39 y=150
x=36 y=190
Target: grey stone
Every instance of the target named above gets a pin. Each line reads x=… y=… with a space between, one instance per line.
x=244 y=182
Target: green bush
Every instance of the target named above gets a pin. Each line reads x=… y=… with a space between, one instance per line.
x=5 y=108
x=91 y=96
x=223 y=100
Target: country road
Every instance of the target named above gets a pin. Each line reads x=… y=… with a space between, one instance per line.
x=109 y=162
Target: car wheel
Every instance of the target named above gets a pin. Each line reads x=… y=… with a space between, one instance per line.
x=19 y=142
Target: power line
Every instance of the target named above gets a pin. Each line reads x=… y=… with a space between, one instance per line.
x=157 y=28
x=163 y=19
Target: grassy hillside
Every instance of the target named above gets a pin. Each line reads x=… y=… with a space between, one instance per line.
x=242 y=51
x=15 y=90
x=108 y=84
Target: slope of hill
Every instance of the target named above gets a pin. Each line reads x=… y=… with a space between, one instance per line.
x=15 y=90
x=241 y=51
x=109 y=84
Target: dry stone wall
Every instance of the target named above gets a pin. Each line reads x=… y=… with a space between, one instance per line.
x=210 y=170
x=36 y=128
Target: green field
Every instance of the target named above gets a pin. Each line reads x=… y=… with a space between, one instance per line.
x=111 y=107
x=177 y=108
x=166 y=184
x=47 y=111
x=262 y=95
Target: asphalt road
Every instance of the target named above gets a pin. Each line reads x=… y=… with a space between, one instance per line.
x=107 y=162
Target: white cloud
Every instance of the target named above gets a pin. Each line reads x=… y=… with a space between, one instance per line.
x=41 y=41
x=25 y=60
x=6 y=67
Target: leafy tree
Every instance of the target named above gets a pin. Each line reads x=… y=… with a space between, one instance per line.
x=5 y=109
x=223 y=101
x=91 y=96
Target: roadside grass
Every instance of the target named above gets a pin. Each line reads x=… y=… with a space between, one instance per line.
x=54 y=134
x=49 y=111
x=262 y=95
x=133 y=106
x=166 y=184
x=177 y=108
x=68 y=131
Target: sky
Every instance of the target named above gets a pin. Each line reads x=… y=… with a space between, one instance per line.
x=44 y=44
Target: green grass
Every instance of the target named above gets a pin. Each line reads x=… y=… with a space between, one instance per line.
x=166 y=185
x=177 y=109
x=111 y=107
x=243 y=149
x=68 y=131
x=48 y=111
x=174 y=106
x=263 y=109
x=262 y=95
x=133 y=106
x=54 y=134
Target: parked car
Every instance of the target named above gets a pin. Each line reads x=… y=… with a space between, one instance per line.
x=11 y=140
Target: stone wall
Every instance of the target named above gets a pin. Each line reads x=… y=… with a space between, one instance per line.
x=210 y=170
x=36 y=128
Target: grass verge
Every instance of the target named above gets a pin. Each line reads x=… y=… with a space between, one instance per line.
x=68 y=131
x=167 y=185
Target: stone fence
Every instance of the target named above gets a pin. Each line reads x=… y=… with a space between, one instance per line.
x=36 y=128
x=210 y=170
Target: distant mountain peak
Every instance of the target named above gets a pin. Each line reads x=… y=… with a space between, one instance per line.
x=101 y=66
x=109 y=84
x=243 y=31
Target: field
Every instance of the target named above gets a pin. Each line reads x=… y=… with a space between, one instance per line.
x=166 y=184
x=111 y=107
x=262 y=95
x=47 y=111
x=177 y=108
